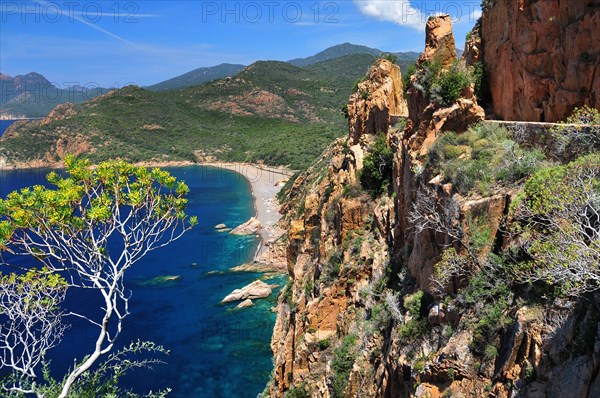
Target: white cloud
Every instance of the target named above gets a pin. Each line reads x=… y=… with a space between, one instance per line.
x=475 y=15
x=398 y=11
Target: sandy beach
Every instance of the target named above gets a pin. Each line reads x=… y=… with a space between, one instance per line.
x=264 y=182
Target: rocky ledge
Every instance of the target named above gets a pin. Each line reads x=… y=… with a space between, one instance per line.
x=256 y=290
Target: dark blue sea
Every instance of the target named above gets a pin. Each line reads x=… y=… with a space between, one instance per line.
x=4 y=125
x=216 y=351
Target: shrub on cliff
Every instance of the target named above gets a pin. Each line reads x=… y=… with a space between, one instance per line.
x=406 y=77
x=376 y=174
x=559 y=228
x=343 y=359
x=442 y=86
x=449 y=84
x=390 y=57
x=480 y=79
x=426 y=76
x=481 y=158
x=581 y=135
x=297 y=392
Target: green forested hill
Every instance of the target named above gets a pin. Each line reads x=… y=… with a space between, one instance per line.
x=349 y=67
x=270 y=111
x=198 y=76
x=342 y=50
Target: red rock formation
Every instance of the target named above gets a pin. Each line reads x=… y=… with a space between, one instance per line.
x=60 y=112
x=342 y=243
x=430 y=119
x=542 y=57
x=439 y=42
x=378 y=98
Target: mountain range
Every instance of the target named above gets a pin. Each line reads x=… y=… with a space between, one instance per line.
x=347 y=49
x=206 y=74
x=268 y=112
x=33 y=96
x=198 y=76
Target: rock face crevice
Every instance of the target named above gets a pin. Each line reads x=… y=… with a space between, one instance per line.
x=544 y=62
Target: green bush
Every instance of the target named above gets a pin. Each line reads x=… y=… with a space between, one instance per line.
x=380 y=316
x=331 y=271
x=297 y=392
x=426 y=76
x=352 y=191
x=558 y=212
x=407 y=76
x=356 y=83
x=287 y=292
x=480 y=234
x=417 y=326
x=491 y=351
x=490 y=291
x=343 y=359
x=581 y=135
x=413 y=329
x=324 y=344
x=448 y=86
x=482 y=89
x=442 y=86
x=412 y=303
x=390 y=57
x=376 y=174
x=482 y=157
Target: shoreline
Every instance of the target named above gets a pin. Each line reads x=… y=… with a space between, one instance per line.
x=59 y=165
x=265 y=184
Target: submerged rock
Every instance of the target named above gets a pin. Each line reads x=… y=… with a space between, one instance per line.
x=161 y=280
x=245 y=304
x=255 y=290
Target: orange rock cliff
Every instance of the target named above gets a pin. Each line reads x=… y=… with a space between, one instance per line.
x=360 y=316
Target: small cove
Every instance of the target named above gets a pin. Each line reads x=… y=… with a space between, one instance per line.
x=216 y=351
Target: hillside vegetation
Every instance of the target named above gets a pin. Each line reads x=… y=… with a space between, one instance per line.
x=268 y=112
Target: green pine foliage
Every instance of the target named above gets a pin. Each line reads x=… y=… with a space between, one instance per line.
x=376 y=174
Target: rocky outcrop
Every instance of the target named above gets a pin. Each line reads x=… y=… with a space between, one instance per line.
x=256 y=290
x=74 y=145
x=61 y=112
x=379 y=97
x=473 y=47
x=248 y=228
x=429 y=119
x=439 y=42
x=541 y=57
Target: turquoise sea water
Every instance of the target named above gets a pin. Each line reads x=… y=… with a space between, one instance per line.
x=216 y=351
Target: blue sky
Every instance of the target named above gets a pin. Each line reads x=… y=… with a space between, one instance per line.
x=114 y=43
